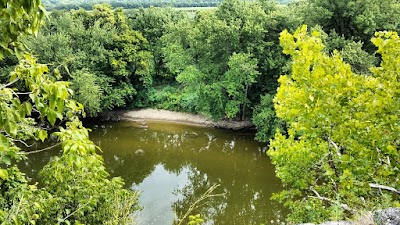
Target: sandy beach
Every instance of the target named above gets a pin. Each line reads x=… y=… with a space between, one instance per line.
x=179 y=117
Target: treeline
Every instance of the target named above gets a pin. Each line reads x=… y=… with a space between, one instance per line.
x=225 y=63
x=128 y=4
x=133 y=4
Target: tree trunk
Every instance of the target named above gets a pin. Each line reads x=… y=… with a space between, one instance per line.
x=244 y=103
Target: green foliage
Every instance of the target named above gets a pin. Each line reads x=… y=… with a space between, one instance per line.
x=241 y=74
x=335 y=149
x=164 y=98
x=93 y=199
x=75 y=187
x=265 y=119
x=205 y=55
x=99 y=46
x=195 y=220
x=13 y=14
x=359 y=60
x=129 y=4
x=152 y=23
x=355 y=19
x=352 y=52
x=87 y=91
x=79 y=168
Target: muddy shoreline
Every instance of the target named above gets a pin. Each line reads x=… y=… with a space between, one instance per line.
x=144 y=115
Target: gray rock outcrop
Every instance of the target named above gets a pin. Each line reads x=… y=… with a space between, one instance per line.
x=389 y=216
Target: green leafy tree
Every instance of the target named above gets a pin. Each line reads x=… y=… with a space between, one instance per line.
x=360 y=60
x=341 y=153
x=265 y=119
x=87 y=90
x=75 y=187
x=152 y=23
x=102 y=44
x=354 y=19
x=199 y=52
x=241 y=75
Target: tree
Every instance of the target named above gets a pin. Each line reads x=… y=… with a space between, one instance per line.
x=341 y=153
x=152 y=23
x=354 y=19
x=199 y=52
x=265 y=119
x=102 y=44
x=75 y=186
x=241 y=75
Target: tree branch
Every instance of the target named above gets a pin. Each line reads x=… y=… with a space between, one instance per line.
x=9 y=84
x=76 y=210
x=335 y=146
x=17 y=140
x=383 y=187
x=206 y=195
x=23 y=93
x=41 y=150
x=344 y=206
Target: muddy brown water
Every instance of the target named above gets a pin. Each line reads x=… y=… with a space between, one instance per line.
x=173 y=164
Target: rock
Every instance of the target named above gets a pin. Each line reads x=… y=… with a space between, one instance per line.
x=389 y=216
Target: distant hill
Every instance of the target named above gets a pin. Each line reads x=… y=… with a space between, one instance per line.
x=128 y=4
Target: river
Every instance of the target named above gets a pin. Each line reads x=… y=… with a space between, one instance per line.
x=173 y=164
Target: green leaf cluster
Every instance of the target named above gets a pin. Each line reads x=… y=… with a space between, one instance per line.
x=195 y=220
x=18 y=19
x=227 y=57
x=105 y=60
x=343 y=130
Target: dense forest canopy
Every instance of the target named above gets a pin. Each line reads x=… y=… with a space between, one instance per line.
x=308 y=75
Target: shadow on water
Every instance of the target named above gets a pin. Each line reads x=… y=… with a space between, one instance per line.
x=174 y=164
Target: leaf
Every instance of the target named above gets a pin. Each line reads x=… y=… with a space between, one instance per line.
x=42 y=135
x=18 y=53
x=62 y=93
x=4 y=143
x=28 y=108
x=11 y=128
x=3 y=174
x=6 y=160
x=51 y=117
x=391 y=150
x=60 y=106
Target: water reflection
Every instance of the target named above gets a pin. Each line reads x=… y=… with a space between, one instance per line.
x=173 y=165
x=158 y=201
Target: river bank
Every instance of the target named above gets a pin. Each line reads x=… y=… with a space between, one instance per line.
x=143 y=115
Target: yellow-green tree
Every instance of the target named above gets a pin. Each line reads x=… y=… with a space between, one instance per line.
x=341 y=153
